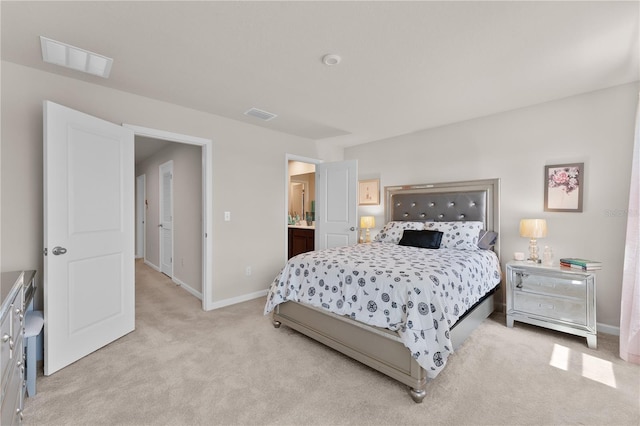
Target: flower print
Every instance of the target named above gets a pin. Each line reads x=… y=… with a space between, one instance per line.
x=565 y=178
x=560 y=177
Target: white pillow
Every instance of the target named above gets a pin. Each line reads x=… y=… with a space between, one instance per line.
x=392 y=231
x=457 y=235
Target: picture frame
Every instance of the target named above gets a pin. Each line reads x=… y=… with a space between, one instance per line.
x=563 y=187
x=369 y=192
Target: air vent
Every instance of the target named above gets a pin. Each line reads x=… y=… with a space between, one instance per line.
x=65 y=55
x=260 y=114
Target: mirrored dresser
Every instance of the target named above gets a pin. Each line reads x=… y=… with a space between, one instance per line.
x=16 y=293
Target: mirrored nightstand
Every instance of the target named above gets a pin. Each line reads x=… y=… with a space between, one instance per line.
x=558 y=298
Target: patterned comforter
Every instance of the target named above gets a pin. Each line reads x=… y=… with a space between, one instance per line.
x=419 y=293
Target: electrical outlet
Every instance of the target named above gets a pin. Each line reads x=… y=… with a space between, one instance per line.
x=247 y=271
x=227 y=216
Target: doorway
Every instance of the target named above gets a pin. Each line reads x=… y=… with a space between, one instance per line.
x=206 y=242
x=300 y=204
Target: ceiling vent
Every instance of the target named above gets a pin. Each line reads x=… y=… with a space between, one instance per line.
x=260 y=114
x=65 y=55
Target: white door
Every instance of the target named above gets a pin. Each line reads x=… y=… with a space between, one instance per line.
x=166 y=218
x=141 y=213
x=336 y=205
x=88 y=234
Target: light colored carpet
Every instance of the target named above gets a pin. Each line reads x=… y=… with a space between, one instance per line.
x=183 y=366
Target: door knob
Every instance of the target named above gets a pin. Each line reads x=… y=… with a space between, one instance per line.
x=352 y=228
x=58 y=250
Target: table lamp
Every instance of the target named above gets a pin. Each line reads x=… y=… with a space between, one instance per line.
x=366 y=222
x=533 y=228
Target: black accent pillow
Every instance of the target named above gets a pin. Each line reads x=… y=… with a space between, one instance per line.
x=487 y=239
x=421 y=238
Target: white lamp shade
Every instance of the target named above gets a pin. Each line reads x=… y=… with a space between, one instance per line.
x=533 y=228
x=367 y=222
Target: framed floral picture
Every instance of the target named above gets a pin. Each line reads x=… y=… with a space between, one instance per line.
x=369 y=192
x=563 y=187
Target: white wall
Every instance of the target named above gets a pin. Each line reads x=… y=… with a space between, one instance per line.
x=248 y=174
x=187 y=211
x=594 y=128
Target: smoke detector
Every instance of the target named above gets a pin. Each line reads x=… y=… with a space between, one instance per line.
x=331 y=59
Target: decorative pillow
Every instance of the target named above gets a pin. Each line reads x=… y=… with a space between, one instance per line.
x=392 y=231
x=457 y=235
x=421 y=238
x=487 y=239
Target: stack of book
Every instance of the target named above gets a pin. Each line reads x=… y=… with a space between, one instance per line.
x=583 y=264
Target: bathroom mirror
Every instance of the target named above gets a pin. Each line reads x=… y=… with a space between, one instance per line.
x=302 y=194
x=296 y=198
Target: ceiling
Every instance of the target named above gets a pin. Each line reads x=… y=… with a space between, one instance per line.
x=146 y=147
x=406 y=66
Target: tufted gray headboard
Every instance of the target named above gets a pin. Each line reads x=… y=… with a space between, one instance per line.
x=452 y=201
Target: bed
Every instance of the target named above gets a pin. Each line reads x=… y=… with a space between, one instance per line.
x=394 y=307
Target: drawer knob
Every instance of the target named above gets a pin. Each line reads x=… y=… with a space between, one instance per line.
x=5 y=338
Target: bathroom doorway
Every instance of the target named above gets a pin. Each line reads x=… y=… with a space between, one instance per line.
x=300 y=205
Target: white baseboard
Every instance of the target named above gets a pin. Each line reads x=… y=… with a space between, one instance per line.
x=187 y=288
x=151 y=265
x=239 y=299
x=608 y=329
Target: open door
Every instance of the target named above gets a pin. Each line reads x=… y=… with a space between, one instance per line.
x=337 y=205
x=166 y=218
x=89 y=297
x=141 y=214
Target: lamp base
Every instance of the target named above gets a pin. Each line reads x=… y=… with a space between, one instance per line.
x=533 y=250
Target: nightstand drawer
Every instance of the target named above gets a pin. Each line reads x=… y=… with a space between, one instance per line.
x=570 y=310
x=550 y=285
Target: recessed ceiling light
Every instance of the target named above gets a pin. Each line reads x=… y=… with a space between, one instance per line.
x=331 y=59
x=261 y=114
x=65 y=55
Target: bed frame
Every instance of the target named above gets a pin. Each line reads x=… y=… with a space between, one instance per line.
x=380 y=348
